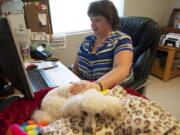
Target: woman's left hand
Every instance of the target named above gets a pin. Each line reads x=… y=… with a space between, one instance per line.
x=82 y=86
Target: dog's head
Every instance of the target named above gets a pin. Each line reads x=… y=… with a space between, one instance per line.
x=90 y=105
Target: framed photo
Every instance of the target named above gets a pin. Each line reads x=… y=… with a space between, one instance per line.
x=174 y=20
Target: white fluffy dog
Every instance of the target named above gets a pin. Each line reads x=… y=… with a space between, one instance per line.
x=58 y=103
x=51 y=104
x=90 y=104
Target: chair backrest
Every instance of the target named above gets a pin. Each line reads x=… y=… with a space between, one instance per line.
x=145 y=34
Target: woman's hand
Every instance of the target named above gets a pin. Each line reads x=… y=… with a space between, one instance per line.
x=82 y=86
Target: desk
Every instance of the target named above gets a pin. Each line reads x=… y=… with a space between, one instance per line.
x=168 y=72
x=56 y=71
x=61 y=74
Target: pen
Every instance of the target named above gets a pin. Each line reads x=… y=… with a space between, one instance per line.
x=51 y=59
x=49 y=67
x=35 y=62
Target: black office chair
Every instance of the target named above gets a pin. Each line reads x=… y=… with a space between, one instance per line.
x=145 y=34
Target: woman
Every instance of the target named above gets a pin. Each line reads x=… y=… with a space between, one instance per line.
x=105 y=58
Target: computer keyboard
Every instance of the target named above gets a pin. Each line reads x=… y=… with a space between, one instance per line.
x=39 y=79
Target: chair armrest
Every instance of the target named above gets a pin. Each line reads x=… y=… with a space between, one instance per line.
x=70 y=67
x=138 y=85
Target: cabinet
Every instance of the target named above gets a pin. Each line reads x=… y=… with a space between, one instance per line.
x=169 y=29
x=168 y=71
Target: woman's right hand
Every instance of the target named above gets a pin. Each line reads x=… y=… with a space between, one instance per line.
x=76 y=87
x=82 y=86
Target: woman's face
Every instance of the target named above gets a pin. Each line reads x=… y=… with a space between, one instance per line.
x=100 y=25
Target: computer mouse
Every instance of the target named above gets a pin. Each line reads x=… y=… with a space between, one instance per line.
x=31 y=66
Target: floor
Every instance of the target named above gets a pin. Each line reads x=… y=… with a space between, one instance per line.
x=166 y=94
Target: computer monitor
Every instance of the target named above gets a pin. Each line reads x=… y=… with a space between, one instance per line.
x=11 y=62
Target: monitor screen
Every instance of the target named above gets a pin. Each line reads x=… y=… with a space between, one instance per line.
x=11 y=62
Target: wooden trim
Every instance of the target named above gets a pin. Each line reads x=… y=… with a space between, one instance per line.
x=168 y=72
x=170 y=30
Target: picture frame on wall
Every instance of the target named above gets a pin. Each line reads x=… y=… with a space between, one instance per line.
x=174 y=20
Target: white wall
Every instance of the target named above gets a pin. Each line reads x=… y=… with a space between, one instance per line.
x=176 y=4
x=156 y=9
x=67 y=56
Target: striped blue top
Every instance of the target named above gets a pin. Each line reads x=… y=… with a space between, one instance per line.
x=93 y=66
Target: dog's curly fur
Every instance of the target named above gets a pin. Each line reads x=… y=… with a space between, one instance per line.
x=58 y=103
x=51 y=104
x=90 y=104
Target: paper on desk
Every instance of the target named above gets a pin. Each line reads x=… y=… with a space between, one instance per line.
x=61 y=76
x=46 y=64
x=41 y=64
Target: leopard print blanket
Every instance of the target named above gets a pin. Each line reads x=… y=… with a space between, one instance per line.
x=139 y=117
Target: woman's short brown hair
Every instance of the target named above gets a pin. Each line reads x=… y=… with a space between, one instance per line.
x=107 y=9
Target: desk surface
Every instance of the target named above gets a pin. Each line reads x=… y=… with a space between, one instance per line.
x=61 y=74
x=57 y=72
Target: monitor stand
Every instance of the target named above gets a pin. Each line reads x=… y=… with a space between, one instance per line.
x=8 y=95
x=6 y=102
x=6 y=89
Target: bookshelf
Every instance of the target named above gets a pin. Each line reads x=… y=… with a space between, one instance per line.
x=167 y=72
x=170 y=30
